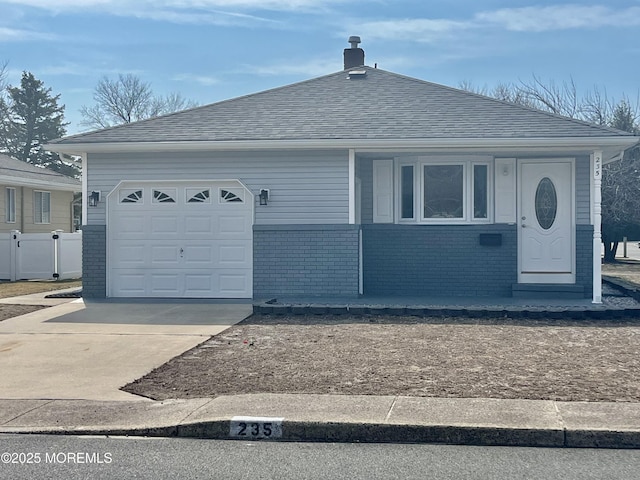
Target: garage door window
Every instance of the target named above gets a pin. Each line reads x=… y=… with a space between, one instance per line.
x=130 y=196
x=196 y=195
x=231 y=195
x=164 y=196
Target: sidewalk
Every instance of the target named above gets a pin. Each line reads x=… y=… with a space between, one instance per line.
x=336 y=418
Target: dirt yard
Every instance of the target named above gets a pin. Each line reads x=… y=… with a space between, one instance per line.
x=436 y=357
x=439 y=357
x=14 y=289
x=10 y=311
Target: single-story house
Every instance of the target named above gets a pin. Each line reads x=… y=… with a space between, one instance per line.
x=360 y=182
x=34 y=199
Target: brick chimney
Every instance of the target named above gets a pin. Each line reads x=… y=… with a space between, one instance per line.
x=354 y=56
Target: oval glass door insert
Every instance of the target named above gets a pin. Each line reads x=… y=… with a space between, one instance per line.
x=546 y=203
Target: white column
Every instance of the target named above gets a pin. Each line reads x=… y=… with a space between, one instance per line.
x=85 y=194
x=352 y=186
x=596 y=162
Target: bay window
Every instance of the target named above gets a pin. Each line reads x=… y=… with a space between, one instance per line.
x=444 y=191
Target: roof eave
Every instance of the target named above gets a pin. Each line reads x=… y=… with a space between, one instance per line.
x=33 y=183
x=534 y=145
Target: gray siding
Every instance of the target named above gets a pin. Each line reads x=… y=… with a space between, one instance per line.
x=583 y=190
x=438 y=260
x=306 y=187
x=305 y=260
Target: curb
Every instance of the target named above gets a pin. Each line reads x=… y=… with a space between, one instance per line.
x=297 y=431
x=338 y=419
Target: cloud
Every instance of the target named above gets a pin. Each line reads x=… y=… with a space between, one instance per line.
x=205 y=80
x=66 y=68
x=414 y=29
x=18 y=35
x=198 y=18
x=527 y=19
x=195 y=12
x=560 y=17
x=308 y=68
x=123 y=6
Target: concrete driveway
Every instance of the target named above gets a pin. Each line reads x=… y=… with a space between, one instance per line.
x=88 y=350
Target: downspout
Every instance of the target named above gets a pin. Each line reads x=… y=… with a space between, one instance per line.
x=596 y=162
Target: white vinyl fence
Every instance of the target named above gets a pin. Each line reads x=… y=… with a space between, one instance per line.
x=30 y=256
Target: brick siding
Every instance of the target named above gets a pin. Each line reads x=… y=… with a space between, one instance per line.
x=94 y=261
x=438 y=260
x=305 y=260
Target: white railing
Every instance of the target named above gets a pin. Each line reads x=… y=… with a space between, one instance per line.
x=30 y=256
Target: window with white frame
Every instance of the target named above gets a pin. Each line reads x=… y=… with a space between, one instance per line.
x=41 y=207
x=10 y=205
x=444 y=191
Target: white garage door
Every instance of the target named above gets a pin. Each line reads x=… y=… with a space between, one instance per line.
x=180 y=240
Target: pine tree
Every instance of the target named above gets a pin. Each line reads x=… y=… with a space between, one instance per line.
x=33 y=119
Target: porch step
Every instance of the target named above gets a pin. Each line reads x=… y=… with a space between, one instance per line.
x=547 y=290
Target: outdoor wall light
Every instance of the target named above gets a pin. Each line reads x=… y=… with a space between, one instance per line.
x=264 y=196
x=94 y=198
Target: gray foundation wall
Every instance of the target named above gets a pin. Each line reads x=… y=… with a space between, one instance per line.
x=321 y=260
x=584 y=258
x=94 y=261
x=305 y=260
x=438 y=260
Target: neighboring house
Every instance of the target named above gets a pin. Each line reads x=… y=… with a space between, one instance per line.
x=33 y=199
x=359 y=182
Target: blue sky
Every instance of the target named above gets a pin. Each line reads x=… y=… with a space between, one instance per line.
x=211 y=50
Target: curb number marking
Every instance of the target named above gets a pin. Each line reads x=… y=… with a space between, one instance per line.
x=255 y=427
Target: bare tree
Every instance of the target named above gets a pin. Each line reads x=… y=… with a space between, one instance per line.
x=559 y=99
x=597 y=107
x=506 y=92
x=128 y=99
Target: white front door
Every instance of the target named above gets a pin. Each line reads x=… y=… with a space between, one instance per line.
x=546 y=221
x=180 y=240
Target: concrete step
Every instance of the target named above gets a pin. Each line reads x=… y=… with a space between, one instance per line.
x=547 y=290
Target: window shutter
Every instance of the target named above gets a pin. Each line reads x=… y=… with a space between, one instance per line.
x=383 y=191
x=505 y=185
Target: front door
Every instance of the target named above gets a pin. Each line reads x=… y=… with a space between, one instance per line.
x=546 y=222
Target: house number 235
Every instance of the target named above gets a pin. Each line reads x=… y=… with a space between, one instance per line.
x=255 y=427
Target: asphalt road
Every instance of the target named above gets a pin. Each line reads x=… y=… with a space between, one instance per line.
x=67 y=457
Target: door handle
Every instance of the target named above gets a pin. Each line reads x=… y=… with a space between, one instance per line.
x=182 y=252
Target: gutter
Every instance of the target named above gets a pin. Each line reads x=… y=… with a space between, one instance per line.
x=612 y=145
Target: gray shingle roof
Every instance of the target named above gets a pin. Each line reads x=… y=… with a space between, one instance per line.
x=10 y=167
x=379 y=105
